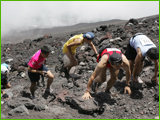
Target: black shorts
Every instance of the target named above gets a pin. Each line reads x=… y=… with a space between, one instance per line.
x=34 y=77
x=130 y=53
x=4 y=81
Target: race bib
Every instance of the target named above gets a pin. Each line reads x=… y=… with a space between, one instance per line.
x=112 y=49
x=145 y=41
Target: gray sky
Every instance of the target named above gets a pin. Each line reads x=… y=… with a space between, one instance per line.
x=31 y=14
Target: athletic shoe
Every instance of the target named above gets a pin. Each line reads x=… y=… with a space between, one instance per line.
x=67 y=75
x=131 y=79
x=95 y=86
x=49 y=90
x=33 y=97
x=139 y=80
x=63 y=69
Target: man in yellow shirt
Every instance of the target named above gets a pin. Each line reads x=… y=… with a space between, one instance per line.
x=70 y=46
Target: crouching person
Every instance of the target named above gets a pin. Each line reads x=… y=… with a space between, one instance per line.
x=113 y=59
x=4 y=80
x=36 y=68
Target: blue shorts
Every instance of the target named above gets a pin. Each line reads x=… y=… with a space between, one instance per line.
x=34 y=77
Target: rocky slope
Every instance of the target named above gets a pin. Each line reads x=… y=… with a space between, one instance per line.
x=66 y=102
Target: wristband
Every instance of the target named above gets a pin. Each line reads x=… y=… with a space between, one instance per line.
x=128 y=85
x=87 y=90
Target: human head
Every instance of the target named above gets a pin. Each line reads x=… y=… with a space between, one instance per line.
x=89 y=36
x=45 y=51
x=153 y=53
x=115 y=59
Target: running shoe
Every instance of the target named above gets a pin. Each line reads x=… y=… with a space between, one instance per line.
x=33 y=97
x=131 y=79
x=49 y=90
x=95 y=86
x=139 y=80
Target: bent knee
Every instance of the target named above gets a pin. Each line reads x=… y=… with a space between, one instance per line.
x=75 y=63
x=7 y=86
x=51 y=77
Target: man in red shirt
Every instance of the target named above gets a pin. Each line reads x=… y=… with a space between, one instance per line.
x=36 y=68
x=113 y=59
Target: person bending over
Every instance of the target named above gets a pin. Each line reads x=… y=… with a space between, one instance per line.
x=113 y=59
x=4 y=79
x=36 y=68
x=70 y=46
x=139 y=47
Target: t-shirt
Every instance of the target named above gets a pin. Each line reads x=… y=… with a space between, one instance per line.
x=36 y=60
x=73 y=48
x=143 y=42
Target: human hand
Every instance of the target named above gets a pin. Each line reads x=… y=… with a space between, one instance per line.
x=154 y=80
x=97 y=55
x=86 y=96
x=44 y=73
x=127 y=89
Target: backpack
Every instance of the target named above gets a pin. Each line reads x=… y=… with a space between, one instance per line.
x=27 y=61
x=136 y=35
x=101 y=50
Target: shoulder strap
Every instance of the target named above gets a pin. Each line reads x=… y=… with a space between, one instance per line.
x=136 y=35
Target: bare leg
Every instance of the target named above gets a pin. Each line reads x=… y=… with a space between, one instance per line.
x=139 y=68
x=32 y=88
x=71 y=64
x=131 y=65
x=112 y=79
x=7 y=86
x=50 y=79
x=101 y=77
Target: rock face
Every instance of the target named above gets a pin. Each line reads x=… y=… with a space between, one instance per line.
x=66 y=102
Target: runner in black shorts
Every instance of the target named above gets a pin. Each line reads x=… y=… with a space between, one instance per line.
x=130 y=52
x=34 y=77
x=139 y=47
x=36 y=68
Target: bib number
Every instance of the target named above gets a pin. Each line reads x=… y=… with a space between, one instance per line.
x=112 y=49
x=145 y=41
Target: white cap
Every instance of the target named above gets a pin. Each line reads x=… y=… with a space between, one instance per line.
x=4 y=69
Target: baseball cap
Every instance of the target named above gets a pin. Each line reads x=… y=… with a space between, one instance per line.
x=88 y=35
x=115 y=59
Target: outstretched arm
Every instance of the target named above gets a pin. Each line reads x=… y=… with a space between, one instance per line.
x=138 y=64
x=126 y=67
x=93 y=47
x=126 y=23
x=101 y=65
x=36 y=71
